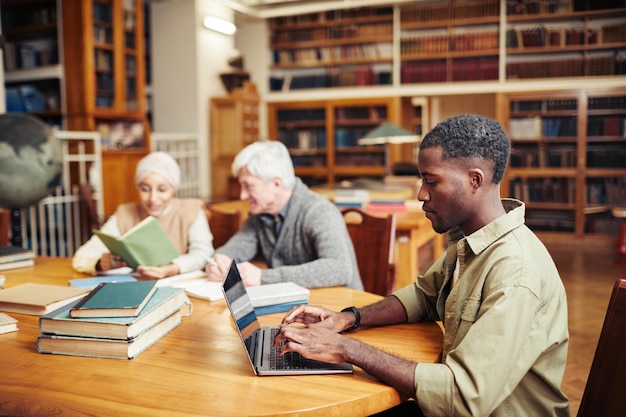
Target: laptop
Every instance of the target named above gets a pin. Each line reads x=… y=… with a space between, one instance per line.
x=258 y=341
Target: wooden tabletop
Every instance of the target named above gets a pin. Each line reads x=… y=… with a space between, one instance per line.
x=200 y=368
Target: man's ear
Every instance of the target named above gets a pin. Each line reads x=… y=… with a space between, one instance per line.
x=476 y=177
x=277 y=182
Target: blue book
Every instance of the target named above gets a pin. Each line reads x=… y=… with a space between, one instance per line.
x=278 y=308
x=164 y=302
x=93 y=282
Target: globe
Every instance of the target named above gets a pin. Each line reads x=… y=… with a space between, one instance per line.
x=30 y=160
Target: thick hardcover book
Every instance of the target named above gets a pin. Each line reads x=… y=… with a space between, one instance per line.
x=162 y=304
x=107 y=348
x=115 y=299
x=24 y=263
x=15 y=253
x=37 y=299
x=145 y=244
x=278 y=293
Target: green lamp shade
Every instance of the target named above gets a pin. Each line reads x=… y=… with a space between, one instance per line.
x=388 y=132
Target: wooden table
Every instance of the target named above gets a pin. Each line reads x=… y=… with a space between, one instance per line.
x=200 y=368
x=414 y=232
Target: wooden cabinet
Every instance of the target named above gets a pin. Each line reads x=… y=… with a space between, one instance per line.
x=234 y=124
x=322 y=137
x=568 y=159
x=104 y=71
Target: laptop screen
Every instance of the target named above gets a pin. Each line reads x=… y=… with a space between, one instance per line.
x=239 y=303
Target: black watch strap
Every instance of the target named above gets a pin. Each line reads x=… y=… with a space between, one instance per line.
x=357 y=318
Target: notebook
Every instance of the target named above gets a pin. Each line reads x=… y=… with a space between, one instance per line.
x=258 y=341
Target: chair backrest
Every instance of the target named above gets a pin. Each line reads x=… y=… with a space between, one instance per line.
x=5 y=226
x=223 y=225
x=86 y=194
x=373 y=239
x=604 y=392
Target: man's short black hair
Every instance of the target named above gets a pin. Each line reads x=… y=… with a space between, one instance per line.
x=471 y=135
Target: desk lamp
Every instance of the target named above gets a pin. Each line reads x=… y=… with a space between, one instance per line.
x=388 y=133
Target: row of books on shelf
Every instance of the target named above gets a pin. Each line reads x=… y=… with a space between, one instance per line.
x=473 y=41
x=550 y=157
x=103 y=60
x=538 y=127
x=524 y=7
x=606 y=156
x=371 y=113
x=358 y=76
x=435 y=12
x=29 y=16
x=102 y=12
x=571 y=67
x=559 y=37
x=29 y=98
x=29 y=55
x=333 y=32
x=303 y=139
x=345 y=138
x=544 y=190
x=13 y=257
x=550 y=220
x=609 y=191
x=330 y=16
x=606 y=126
x=467 y=69
x=328 y=55
x=544 y=105
x=360 y=160
x=300 y=115
x=607 y=103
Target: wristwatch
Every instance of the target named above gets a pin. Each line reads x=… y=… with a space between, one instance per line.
x=357 y=318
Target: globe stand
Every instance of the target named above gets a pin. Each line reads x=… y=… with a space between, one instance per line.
x=16 y=228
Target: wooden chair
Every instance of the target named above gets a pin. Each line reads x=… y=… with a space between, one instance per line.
x=223 y=225
x=604 y=393
x=93 y=219
x=5 y=226
x=373 y=239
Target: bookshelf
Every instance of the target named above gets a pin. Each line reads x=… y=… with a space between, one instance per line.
x=551 y=40
x=340 y=48
x=447 y=41
x=568 y=159
x=34 y=78
x=322 y=137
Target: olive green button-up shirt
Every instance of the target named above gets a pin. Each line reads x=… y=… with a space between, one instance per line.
x=505 y=319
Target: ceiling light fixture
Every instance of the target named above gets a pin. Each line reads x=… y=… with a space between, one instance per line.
x=219 y=25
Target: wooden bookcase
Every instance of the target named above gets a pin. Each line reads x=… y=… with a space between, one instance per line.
x=34 y=79
x=568 y=160
x=322 y=137
x=447 y=41
x=234 y=125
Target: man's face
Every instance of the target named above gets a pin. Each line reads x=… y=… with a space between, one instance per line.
x=445 y=190
x=260 y=195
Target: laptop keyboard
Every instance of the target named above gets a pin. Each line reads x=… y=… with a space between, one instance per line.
x=290 y=360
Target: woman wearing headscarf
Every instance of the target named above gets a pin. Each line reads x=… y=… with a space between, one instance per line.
x=157 y=177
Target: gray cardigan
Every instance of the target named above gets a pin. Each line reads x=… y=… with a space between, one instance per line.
x=313 y=248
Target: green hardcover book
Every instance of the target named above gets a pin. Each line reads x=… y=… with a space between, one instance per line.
x=115 y=299
x=162 y=304
x=145 y=244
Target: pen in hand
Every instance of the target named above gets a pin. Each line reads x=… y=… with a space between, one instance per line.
x=213 y=262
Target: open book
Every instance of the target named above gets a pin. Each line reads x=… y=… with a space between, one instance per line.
x=144 y=244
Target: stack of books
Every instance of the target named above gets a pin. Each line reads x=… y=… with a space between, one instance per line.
x=114 y=320
x=12 y=257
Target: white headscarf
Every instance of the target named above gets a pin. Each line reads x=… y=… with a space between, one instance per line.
x=161 y=164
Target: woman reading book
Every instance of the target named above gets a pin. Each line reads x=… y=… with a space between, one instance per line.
x=184 y=220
